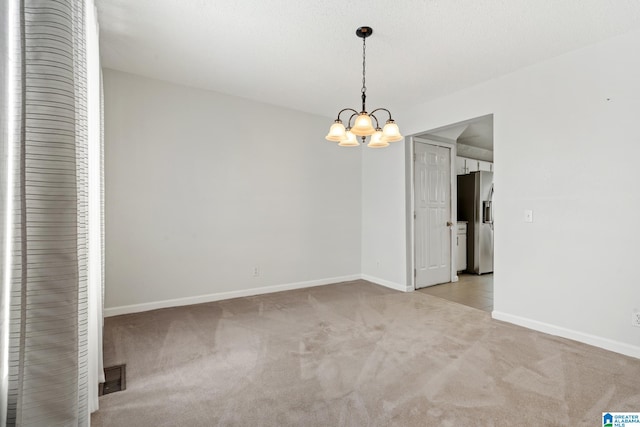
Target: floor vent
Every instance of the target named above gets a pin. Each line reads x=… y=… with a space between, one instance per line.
x=115 y=380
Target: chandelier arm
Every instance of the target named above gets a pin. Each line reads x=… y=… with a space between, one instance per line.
x=355 y=113
x=346 y=109
x=376 y=119
x=382 y=109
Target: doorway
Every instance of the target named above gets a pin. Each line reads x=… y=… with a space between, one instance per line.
x=471 y=290
x=470 y=146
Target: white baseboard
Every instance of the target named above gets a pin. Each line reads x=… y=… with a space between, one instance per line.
x=137 y=308
x=607 y=344
x=386 y=283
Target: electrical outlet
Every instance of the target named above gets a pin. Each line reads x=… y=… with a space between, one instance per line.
x=256 y=271
x=635 y=318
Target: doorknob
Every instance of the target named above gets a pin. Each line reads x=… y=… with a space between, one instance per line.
x=449 y=223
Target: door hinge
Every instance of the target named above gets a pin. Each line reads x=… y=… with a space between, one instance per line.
x=415 y=273
x=414 y=215
x=414 y=157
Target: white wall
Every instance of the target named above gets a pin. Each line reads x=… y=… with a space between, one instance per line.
x=567 y=145
x=202 y=187
x=383 y=243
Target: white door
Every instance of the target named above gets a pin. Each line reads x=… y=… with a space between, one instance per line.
x=432 y=184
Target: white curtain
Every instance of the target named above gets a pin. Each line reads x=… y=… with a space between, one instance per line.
x=96 y=207
x=51 y=190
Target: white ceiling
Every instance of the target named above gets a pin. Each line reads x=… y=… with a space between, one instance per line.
x=478 y=134
x=304 y=54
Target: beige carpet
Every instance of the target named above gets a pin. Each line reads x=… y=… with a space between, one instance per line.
x=354 y=354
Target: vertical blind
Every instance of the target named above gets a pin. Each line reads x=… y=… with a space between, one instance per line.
x=52 y=198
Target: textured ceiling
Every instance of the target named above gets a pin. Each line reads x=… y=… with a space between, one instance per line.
x=305 y=55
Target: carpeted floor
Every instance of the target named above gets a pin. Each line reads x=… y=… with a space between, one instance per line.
x=354 y=354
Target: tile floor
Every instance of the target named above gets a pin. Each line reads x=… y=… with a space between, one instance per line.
x=470 y=290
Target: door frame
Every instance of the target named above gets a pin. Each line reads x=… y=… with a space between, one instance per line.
x=411 y=248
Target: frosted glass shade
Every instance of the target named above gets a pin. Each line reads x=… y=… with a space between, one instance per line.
x=349 y=141
x=336 y=132
x=378 y=140
x=363 y=125
x=391 y=132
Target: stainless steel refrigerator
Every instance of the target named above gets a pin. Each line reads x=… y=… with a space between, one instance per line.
x=475 y=198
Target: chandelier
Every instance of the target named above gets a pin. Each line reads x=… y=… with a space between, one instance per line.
x=363 y=122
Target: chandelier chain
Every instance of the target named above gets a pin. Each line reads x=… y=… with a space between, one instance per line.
x=364 y=80
x=364 y=63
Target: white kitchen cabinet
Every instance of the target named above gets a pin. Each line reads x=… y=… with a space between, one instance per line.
x=465 y=165
x=461 y=246
x=472 y=165
x=485 y=166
